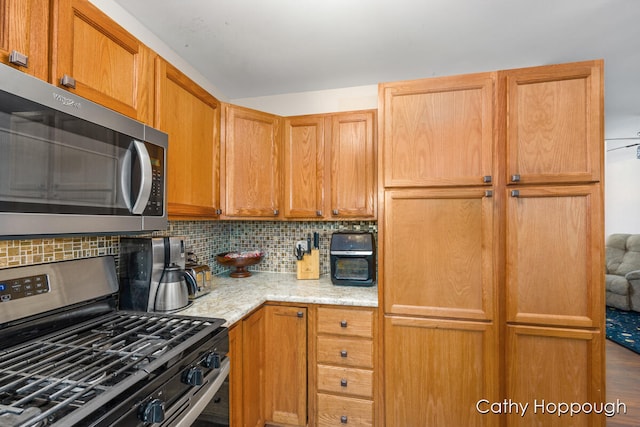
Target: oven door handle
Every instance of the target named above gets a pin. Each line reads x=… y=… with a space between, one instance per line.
x=189 y=417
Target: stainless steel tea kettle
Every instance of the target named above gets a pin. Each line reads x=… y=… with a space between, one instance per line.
x=174 y=289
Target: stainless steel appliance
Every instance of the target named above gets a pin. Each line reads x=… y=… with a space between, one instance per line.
x=152 y=274
x=201 y=275
x=69 y=165
x=352 y=256
x=70 y=358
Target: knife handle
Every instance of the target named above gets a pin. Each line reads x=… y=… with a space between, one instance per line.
x=316 y=240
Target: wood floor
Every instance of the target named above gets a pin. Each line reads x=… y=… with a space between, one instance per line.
x=623 y=383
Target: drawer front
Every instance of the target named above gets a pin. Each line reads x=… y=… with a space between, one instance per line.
x=350 y=381
x=341 y=411
x=345 y=351
x=340 y=321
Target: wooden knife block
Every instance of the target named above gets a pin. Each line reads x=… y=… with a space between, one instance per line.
x=309 y=266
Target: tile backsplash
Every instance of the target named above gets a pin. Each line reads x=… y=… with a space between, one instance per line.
x=204 y=238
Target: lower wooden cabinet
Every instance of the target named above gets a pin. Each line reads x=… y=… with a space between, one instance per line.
x=253 y=357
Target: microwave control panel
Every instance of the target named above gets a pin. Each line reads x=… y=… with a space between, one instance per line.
x=155 y=205
x=23 y=287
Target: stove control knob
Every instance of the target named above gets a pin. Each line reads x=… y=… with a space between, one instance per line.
x=211 y=360
x=192 y=376
x=152 y=411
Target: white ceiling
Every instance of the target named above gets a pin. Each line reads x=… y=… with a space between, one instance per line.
x=252 y=48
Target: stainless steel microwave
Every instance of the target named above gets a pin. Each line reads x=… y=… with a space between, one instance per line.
x=68 y=165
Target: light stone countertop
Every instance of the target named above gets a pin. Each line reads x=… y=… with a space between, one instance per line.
x=232 y=299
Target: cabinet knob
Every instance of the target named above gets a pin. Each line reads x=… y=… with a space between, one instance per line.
x=68 y=81
x=335 y=211
x=276 y=212
x=343 y=323
x=515 y=178
x=488 y=193
x=515 y=193
x=300 y=314
x=343 y=382
x=486 y=179
x=218 y=211
x=343 y=353
x=344 y=419
x=318 y=213
x=20 y=59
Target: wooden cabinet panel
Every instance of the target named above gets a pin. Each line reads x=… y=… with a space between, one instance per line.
x=554 y=123
x=304 y=165
x=24 y=28
x=353 y=165
x=437 y=131
x=253 y=366
x=437 y=370
x=439 y=258
x=251 y=167
x=109 y=65
x=349 y=381
x=335 y=411
x=554 y=253
x=345 y=351
x=235 y=376
x=554 y=365
x=346 y=322
x=286 y=366
x=191 y=118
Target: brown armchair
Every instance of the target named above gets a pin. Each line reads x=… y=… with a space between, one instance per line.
x=623 y=271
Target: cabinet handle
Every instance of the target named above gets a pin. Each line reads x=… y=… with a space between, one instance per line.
x=343 y=382
x=336 y=212
x=488 y=193
x=343 y=353
x=515 y=178
x=486 y=179
x=276 y=212
x=343 y=324
x=318 y=213
x=300 y=314
x=218 y=211
x=20 y=59
x=68 y=81
x=515 y=193
x=344 y=419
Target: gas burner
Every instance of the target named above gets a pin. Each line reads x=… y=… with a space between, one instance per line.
x=10 y=416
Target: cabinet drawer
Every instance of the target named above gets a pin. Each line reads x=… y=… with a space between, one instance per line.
x=341 y=411
x=351 y=381
x=340 y=321
x=345 y=351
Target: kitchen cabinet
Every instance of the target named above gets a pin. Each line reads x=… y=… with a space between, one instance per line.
x=491 y=236
x=191 y=118
x=235 y=376
x=24 y=36
x=96 y=58
x=250 y=164
x=346 y=351
x=330 y=166
x=286 y=369
x=253 y=369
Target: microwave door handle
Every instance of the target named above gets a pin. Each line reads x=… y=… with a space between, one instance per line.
x=146 y=179
x=125 y=179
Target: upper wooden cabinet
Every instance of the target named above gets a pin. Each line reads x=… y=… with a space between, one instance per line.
x=330 y=166
x=97 y=59
x=250 y=168
x=24 y=34
x=304 y=167
x=554 y=124
x=191 y=118
x=437 y=132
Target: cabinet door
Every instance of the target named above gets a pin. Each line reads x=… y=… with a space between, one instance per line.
x=554 y=123
x=554 y=256
x=304 y=167
x=235 y=376
x=550 y=366
x=353 y=165
x=253 y=375
x=286 y=368
x=438 y=258
x=437 y=370
x=24 y=28
x=191 y=118
x=437 y=131
x=252 y=174
x=106 y=64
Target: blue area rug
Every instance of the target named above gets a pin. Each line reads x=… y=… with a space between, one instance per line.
x=623 y=327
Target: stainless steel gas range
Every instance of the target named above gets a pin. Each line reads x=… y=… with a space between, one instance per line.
x=68 y=357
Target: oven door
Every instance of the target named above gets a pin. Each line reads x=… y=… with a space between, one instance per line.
x=352 y=270
x=212 y=406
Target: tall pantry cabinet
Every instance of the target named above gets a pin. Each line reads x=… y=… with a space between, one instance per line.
x=491 y=235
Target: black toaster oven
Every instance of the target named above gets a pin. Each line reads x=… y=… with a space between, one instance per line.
x=353 y=258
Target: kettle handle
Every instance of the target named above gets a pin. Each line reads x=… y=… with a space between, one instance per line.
x=192 y=286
